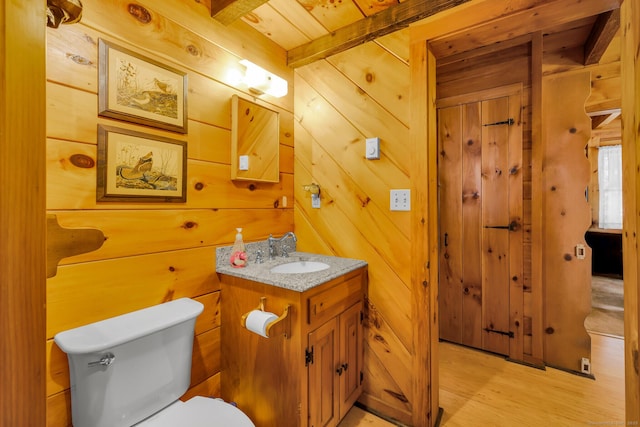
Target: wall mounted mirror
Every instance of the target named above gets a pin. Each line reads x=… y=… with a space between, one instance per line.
x=255 y=142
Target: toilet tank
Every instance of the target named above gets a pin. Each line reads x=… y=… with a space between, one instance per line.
x=127 y=368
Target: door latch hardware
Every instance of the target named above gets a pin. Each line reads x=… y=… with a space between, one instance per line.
x=510 y=334
x=503 y=122
x=106 y=360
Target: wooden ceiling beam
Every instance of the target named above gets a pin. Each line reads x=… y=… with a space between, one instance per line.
x=604 y=30
x=227 y=11
x=370 y=28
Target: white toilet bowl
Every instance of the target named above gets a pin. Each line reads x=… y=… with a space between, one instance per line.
x=198 y=412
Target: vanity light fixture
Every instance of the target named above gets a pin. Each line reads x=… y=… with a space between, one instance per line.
x=260 y=81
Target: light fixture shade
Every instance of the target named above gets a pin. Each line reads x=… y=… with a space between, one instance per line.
x=260 y=81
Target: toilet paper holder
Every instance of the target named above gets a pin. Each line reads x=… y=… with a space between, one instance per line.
x=283 y=320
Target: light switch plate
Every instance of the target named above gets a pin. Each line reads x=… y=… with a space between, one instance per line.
x=372 y=148
x=400 y=200
x=243 y=163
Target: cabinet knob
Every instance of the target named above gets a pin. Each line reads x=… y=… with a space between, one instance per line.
x=339 y=371
x=345 y=366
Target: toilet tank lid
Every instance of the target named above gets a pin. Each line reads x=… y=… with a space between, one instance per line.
x=106 y=334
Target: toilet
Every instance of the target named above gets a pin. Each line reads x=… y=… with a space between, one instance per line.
x=131 y=370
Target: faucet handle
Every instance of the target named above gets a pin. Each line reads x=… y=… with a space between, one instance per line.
x=285 y=251
x=259 y=259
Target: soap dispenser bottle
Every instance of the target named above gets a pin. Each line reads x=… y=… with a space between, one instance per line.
x=238 y=253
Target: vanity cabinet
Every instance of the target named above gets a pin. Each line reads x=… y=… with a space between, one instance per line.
x=310 y=377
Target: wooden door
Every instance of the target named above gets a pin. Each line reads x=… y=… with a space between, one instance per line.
x=323 y=379
x=481 y=247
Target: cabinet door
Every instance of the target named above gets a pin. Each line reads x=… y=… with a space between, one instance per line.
x=351 y=355
x=323 y=379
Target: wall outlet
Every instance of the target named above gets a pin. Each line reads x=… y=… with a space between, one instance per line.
x=315 y=201
x=372 y=146
x=585 y=366
x=400 y=200
x=243 y=163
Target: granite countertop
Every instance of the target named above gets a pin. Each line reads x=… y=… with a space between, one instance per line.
x=300 y=282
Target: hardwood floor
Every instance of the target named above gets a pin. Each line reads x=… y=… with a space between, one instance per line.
x=481 y=389
x=357 y=417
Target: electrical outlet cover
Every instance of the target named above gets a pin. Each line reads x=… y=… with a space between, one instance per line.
x=400 y=200
x=243 y=163
x=315 y=201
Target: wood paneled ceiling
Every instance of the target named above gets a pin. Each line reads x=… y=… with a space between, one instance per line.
x=574 y=31
x=314 y=29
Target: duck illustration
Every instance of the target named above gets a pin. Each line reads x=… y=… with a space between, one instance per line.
x=145 y=163
x=164 y=87
x=141 y=100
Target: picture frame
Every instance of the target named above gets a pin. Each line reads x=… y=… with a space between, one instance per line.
x=140 y=90
x=138 y=167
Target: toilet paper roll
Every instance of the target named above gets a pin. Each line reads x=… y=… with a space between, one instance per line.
x=258 y=320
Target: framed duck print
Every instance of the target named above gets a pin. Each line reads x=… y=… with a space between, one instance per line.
x=139 y=167
x=140 y=90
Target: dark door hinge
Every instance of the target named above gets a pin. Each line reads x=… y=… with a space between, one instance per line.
x=503 y=122
x=361 y=377
x=308 y=356
x=510 y=334
x=513 y=226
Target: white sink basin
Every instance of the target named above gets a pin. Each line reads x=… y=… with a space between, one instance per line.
x=300 y=267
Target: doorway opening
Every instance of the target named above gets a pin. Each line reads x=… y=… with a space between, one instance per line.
x=605 y=235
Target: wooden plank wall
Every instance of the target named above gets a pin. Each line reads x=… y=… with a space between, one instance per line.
x=362 y=93
x=339 y=102
x=566 y=217
x=154 y=252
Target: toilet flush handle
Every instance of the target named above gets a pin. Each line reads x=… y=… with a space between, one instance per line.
x=106 y=360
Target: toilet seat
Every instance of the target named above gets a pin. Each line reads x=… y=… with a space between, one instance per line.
x=198 y=412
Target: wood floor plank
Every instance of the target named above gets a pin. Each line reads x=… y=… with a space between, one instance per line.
x=357 y=417
x=483 y=389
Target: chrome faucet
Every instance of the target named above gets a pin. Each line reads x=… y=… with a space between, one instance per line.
x=272 y=240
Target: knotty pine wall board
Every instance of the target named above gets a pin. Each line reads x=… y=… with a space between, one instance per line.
x=208 y=185
x=567 y=217
x=133 y=232
x=332 y=220
x=154 y=252
x=370 y=68
x=339 y=102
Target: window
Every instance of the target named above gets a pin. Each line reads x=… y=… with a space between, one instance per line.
x=610 y=183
